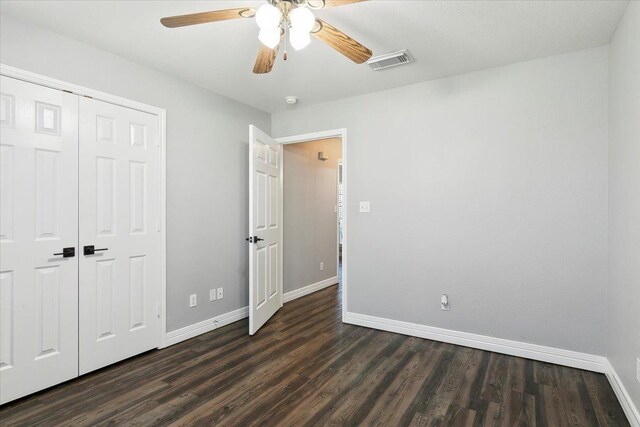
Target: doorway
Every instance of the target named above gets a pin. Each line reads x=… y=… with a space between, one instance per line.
x=266 y=225
x=311 y=216
x=341 y=201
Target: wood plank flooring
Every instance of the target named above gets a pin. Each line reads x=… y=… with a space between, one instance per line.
x=307 y=368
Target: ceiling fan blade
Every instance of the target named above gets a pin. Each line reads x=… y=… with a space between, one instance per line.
x=322 y=4
x=334 y=3
x=265 y=60
x=205 y=17
x=342 y=42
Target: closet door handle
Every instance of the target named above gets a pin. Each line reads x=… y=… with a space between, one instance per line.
x=67 y=252
x=90 y=250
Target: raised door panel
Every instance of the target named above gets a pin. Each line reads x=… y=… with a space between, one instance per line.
x=137 y=197
x=7 y=190
x=105 y=196
x=137 y=284
x=7 y=329
x=48 y=204
x=48 y=310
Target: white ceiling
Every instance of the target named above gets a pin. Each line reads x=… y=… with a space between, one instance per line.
x=445 y=37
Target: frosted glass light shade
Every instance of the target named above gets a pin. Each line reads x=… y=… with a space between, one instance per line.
x=299 y=39
x=269 y=37
x=302 y=19
x=268 y=17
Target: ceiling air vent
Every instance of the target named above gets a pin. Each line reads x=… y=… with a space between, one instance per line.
x=392 y=59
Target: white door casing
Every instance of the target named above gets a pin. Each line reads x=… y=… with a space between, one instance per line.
x=265 y=222
x=38 y=218
x=120 y=188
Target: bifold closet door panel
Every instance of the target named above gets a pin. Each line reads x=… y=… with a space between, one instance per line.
x=38 y=219
x=120 y=218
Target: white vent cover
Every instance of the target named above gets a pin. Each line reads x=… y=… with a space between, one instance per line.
x=392 y=59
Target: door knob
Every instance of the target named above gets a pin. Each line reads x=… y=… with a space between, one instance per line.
x=90 y=250
x=256 y=239
x=67 y=252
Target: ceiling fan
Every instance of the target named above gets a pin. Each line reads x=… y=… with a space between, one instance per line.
x=283 y=20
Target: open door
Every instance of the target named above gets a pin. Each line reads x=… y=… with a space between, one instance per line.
x=265 y=228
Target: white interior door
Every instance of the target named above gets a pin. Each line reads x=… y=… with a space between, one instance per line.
x=120 y=283
x=38 y=218
x=265 y=228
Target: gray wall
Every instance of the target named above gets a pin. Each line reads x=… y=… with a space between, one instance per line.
x=310 y=222
x=623 y=345
x=490 y=187
x=207 y=151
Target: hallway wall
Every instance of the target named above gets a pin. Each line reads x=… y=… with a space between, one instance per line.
x=623 y=297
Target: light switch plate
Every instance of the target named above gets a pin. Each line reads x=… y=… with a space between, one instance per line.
x=365 y=207
x=212 y=295
x=220 y=294
x=193 y=300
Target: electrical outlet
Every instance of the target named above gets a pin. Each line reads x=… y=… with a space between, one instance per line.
x=193 y=300
x=212 y=295
x=365 y=207
x=220 y=294
x=638 y=369
x=321 y=265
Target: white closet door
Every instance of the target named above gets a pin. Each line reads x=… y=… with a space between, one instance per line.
x=120 y=218
x=38 y=218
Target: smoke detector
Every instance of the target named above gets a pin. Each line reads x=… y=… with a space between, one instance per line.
x=291 y=99
x=388 y=60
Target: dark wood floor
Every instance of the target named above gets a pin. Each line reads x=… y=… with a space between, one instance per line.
x=307 y=368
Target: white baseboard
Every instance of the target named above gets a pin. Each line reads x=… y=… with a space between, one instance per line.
x=619 y=389
x=514 y=348
x=196 y=329
x=291 y=295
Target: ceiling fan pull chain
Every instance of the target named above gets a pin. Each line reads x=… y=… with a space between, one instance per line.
x=286 y=37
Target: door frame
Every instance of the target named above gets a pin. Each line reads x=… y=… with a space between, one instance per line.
x=161 y=114
x=314 y=136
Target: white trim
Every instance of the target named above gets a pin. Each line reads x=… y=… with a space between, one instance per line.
x=309 y=289
x=208 y=325
x=515 y=348
x=619 y=389
x=342 y=134
x=163 y=228
x=41 y=80
x=28 y=76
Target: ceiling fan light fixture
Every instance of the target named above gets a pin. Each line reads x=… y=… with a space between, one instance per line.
x=302 y=19
x=299 y=39
x=315 y=4
x=270 y=37
x=268 y=17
